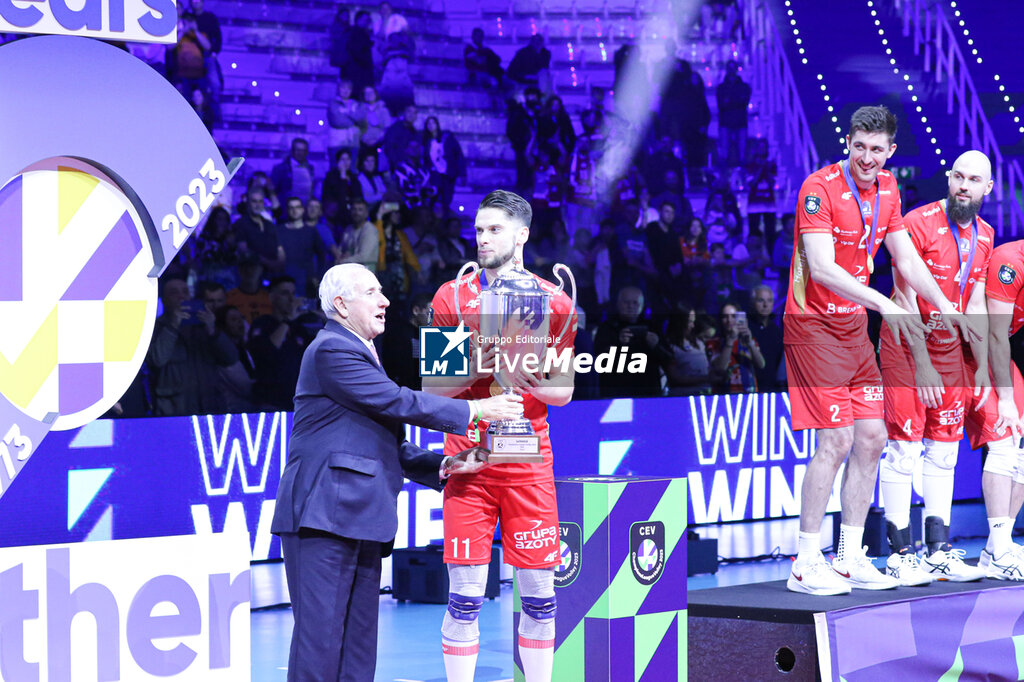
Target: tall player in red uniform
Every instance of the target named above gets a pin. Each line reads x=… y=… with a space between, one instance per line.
x=845 y=212
x=999 y=426
x=522 y=496
x=927 y=388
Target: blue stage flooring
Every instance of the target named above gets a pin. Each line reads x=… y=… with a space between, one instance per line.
x=409 y=647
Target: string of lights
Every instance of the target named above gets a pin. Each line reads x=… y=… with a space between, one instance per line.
x=821 y=77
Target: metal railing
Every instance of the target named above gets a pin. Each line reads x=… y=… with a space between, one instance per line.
x=933 y=35
x=781 y=108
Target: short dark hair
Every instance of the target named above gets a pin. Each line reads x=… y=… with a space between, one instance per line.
x=531 y=90
x=279 y=280
x=513 y=205
x=359 y=200
x=204 y=287
x=300 y=139
x=876 y=119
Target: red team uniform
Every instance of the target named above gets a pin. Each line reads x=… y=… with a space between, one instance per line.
x=1004 y=282
x=833 y=376
x=522 y=494
x=945 y=254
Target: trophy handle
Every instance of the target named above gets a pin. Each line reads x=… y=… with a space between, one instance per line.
x=561 y=282
x=473 y=268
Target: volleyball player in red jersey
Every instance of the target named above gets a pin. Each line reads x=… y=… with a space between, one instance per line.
x=845 y=211
x=999 y=425
x=522 y=496
x=927 y=387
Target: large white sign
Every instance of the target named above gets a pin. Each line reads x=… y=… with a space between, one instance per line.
x=147 y=21
x=154 y=608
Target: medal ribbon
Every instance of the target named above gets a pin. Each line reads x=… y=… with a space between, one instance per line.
x=965 y=267
x=860 y=207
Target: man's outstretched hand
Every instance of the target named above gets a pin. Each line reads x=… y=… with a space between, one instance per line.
x=468 y=461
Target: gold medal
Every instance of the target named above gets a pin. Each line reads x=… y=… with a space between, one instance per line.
x=496 y=389
x=871 y=264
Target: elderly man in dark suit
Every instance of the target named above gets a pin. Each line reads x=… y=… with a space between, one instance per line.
x=336 y=504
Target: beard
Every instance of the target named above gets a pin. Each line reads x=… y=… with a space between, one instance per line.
x=497 y=259
x=962 y=213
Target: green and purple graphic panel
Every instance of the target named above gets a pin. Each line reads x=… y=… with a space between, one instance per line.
x=621 y=586
x=950 y=637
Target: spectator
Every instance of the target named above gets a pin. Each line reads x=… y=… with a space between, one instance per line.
x=235 y=380
x=217 y=248
x=304 y=250
x=343 y=116
x=672 y=193
x=184 y=355
x=582 y=260
x=256 y=234
x=202 y=105
x=733 y=96
x=529 y=67
x=554 y=248
x=360 y=243
x=249 y=296
x=399 y=135
x=548 y=192
x=717 y=278
x=295 y=176
x=422 y=237
x=360 y=53
x=375 y=118
x=768 y=336
x=735 y=354
x=721 y=189
x=271 y=204
x=339 y=34
x=667 y=253
x=412 y=180
x=639 y=266
x=208 y=25
x=761 y=193
x=695 y=244
x=339 y=189
x=750 y=259
x=521 y=130
x=212 y=295
x=443 y=158
x=453 y=250
x=782 y=251
x=721 y=226
x=371 y=183
x=684 y=114
x=315 y=220
x=608 y=264
x=582 y=207
x=555 y=132
x=482 y=64
x=186 y=61
x=688 y=372
x=276 y=344
x=631 y=331
x=659 y=163
x=400 y=349
x=395 y=47
x=396 y=260
x=595 y=110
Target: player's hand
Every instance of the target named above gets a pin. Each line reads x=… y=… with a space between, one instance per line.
x=501 y=406
x=929 y=386
x=960 y=323
x=982 y=386
x=468 y=461
x=1009 y=418
x=905 y=324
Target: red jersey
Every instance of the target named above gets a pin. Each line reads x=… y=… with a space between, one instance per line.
x=814 y=313
x=563 y=332
x=1005 y=280
x=946 y=256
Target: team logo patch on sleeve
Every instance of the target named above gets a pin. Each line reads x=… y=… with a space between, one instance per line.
x=812 y=204
x=1007 y=274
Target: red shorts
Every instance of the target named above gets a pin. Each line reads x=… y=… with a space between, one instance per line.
x=980 y=424
x=830 y=386
x=529 y=523
x=906 y=417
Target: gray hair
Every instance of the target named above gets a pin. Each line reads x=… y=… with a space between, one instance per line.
x=338 y=281
x=763 y=287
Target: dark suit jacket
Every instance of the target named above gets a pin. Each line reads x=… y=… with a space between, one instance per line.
x=348 y=453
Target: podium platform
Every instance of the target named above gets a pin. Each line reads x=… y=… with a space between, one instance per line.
x=621 y=586
x=763 y=631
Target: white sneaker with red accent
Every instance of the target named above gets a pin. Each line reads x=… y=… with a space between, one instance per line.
x=858 y=571
x=814 y=576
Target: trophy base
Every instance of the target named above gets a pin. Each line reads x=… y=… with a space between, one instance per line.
x=514 y=449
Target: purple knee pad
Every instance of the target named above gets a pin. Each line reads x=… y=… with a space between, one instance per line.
x=463 y=608
x=539 y=608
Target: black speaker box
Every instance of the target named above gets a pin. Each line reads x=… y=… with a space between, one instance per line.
x=418 y=574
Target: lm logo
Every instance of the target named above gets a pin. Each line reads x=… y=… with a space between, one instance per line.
x=444 y=351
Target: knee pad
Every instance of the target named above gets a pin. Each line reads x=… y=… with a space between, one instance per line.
x=537 y=595
x=1002 y=458
x=465 y=597
x=900 y=458
x=940 y=458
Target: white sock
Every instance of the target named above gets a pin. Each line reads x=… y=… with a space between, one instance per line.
x=896 y=495
x=808 y=544
x=460 y=659
x=850 y=538
x=537 y=656
x=999 y=540
x=938 y=492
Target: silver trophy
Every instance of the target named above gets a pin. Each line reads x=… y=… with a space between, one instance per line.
x=515 y=314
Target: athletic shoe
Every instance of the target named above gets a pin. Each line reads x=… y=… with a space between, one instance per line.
x=858 y=571
x=949 y=565
x=1010 y=566
x=907 y=570
x=985 y=558
x=815 y=576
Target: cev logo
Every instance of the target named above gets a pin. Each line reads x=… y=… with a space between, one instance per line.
x=104 y=175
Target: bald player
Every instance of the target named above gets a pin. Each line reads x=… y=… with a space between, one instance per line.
x=927 y=386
